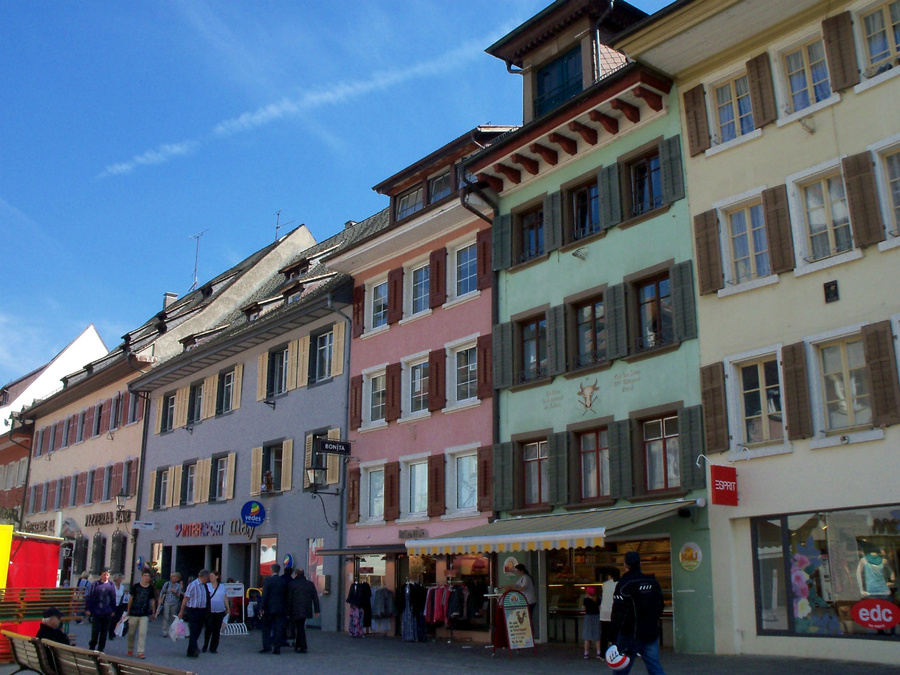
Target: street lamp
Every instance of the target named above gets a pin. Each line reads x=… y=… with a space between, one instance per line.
x=317 y=477
x=120 y=508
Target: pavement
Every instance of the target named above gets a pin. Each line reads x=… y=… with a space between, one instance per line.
x=375 y=655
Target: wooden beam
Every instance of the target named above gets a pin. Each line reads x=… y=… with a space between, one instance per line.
x=632 y=113
x=653 y=99
x=566 y=143
x=513 y=174
x=589 y=135
x=548 y=155
x=496 y=184
x=530 y=165
x=611 y=124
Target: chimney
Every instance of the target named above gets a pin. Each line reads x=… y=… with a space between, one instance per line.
x=349 y=223
x=169 y=298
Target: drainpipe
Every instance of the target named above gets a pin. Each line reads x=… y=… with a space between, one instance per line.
x=597 y=43
x=140 y=483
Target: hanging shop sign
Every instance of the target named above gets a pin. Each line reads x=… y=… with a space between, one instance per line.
x=253 y=513
x=334 y=447
x=207 y=529
x=517 y=620
x=724 y=484
x=690 y=556
x=876 y=614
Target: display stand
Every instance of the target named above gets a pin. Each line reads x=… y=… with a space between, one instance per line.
x=513 y=623
x=235 y=628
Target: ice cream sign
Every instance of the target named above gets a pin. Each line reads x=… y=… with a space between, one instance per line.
x=253 y=514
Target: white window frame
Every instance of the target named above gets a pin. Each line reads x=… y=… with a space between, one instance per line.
x=279 y=385
x=167 y=415
x=73 y=491
x=190 y=481
x=451 y=349
x=227 y=390
x=366 y=469
x=777 y=53
x=107 y=484
x=409 y=270
x=453 y=251
x=452 y=457
x=328 y=349
x=408 y=364
x=723 y=208
x=880 y=150
x=162 y=491
x=368 y=375
x=220 y=472
x=406 y=464
x=713 y=105
x=23 y=471
x=447 y=173
x=370 y=299
x=869 y=70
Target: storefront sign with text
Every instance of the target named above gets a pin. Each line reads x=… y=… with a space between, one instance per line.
x=724 y=484
x=208 y=529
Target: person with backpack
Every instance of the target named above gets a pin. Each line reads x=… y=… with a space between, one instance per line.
x=637 y=606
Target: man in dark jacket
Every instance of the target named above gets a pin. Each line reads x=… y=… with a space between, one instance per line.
x=273 y=610
x=100 y=604
x=49 y=629
x=637 y=606
x=303 y=603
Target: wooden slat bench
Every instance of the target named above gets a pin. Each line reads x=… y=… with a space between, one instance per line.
x=28 y=604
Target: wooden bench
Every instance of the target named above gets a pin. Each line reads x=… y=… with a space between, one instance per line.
x=123 y=666
x=28 y=654
x=28 y=604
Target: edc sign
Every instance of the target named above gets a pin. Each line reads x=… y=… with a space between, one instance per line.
x=877 y=614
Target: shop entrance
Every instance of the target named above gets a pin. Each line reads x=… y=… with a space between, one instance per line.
x=189 y=560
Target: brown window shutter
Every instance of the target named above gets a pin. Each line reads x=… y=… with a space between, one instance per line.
x=57 y=440
x=64 y=492
x=38 y=496
x=392 y=490
x=359 y=310
x=696 y=120
x=484 y=352
x=356 y=386
x=395 y=295
x=483 y=246
x=840 y=51
x=778 y=229
x=715 y=410
x=51 y=494
x=437 y=278
x=97 y=491
x=353 y=474
x=485 y=479
x=141 y=406
x=116 y=485
x=133 y=477
x=436 y=486
x=881 y=363
x=126 y=403
x=862 y=199
x=796 y=392
x=437 y=380
x=762 y=90
x=392 y=385
x=89 y=422
x=709 y=257
x=105 y=416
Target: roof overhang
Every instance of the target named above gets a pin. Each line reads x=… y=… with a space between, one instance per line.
x=557 y=531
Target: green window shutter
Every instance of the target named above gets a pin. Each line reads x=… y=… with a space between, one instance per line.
x=501 y=231
x=683 y=303
x=502 y=340
x=553 y=231
x=616 y=322
x=690 y=440
x=557 y=469
x=672 y=172
x=503 y=477
x=610 y=196
x=556 y=340
x=620 y=478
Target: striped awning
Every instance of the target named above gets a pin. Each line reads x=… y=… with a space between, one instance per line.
x=537 y=533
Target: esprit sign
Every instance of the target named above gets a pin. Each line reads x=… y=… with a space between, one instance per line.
x=877 y=614
x=724 y=484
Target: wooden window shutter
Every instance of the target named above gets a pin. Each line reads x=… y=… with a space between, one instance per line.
x=356 y=387
x=170 y=493
x=332 y=461
x=483 y=245
x=503 y=350
x=293 y=364
x=178 y=486
x=393 y=390
x=881 y=363
x=203 y=480
x=696 y=120
x=51 y=495
x=485 y=479
x=392 y=490
x=715 y=409
x=209 y=397
x=133 y=478
x=610 y=196
x=616 y=322
x=796 y=392
x=553 y=228
x=840 y=51
x=556 y=340
x=89 y=420
x=681 y=276
x=620 y=472
x=359 y=310
x=126 y=406
x=672 y=171
x=256 y=470
x=353 y=481
x=287 y=465
x=302 y=361
x=337 y=350
x=308 y=458
x=262 y=375
x=709 y=256
x=97 y=491
x=778 y=229
x=105 y=418
x=484 y=357
x=236 y=388
x=557 y=469
x=436 y=486
x=690 y=439
x=862 y=199
x=501 y=242
x=57 y=441
x=152 y=490
x=395 y=295
x=762 y=90
x=116 y=483
x=181 y=407
x=229 y=476
x=437 y=380
x=502 y=474
x=437 y=278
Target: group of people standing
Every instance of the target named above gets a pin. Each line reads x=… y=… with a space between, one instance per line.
x=288 y=597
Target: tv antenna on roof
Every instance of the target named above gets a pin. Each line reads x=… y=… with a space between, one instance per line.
x=278 y=224
x=197 y=255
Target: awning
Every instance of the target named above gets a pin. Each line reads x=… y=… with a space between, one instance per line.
x=374 y=549
x=536 y=533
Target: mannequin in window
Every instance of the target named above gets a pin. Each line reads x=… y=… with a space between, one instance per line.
x=874 y=575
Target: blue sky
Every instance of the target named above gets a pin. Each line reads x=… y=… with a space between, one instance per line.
x=127 y=127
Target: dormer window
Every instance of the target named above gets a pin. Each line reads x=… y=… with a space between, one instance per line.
x=410 y=202
x=558 y=81
x=439 y=187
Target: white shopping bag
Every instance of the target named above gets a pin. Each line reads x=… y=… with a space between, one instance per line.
x=120 y=627
x=178 y=630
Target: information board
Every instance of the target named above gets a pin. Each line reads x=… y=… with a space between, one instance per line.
x=517 y=620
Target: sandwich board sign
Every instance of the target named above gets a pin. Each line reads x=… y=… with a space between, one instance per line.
x=517 y=620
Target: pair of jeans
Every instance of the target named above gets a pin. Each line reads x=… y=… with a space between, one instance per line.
x=273 y=631
x=196 y=617
x=649 y=652
x=100 y=629
x=138 y=629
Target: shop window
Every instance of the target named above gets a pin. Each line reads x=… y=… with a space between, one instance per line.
x=268 y=555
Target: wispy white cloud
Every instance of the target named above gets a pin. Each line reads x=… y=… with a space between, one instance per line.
x=159 y=155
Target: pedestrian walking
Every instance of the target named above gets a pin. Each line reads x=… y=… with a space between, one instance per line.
x=121 y=604
x=303 y=603
x=170 y=596
x=637 y=606
x=195 y=605
x=141 y=608
x=273 y=610
x=590 y=630
x=216 y=614
x=100 y=605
